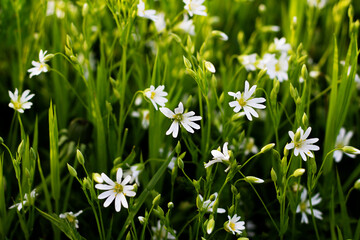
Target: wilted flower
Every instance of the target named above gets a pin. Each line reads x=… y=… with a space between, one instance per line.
x=304 y=206
x=156 y=96
x=342 y=139
x=40 y=66
x=301 y=144
x=234 y=225
x=20 y=103
x=116 y=190
x=179 y=117
x=195 y=7
x=246 y=101
x=71 y=217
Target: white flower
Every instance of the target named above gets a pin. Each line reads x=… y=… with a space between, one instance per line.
x=20 y=103
x=301 y=144
x=219 y=156
x=249 y=146
x=304 y=206
x=210 y=67
x=342 y=140
x=187 y=25
x=195 y=7
x=97 y=178
x=150 y=14
x=156 y=96
x=172 y=163
x=317 y=3
x=116 y=190
x=71 y=217
x=208 y=204
x=134 y=172
x=179 y=117
x=234 y=225
x=160 y=232
x=246 y=101
x=26 y=200
x=278 y=67
x=281 y=45
x=248 y=61
x=145 y=117
x=160 y=23
x=40 y=66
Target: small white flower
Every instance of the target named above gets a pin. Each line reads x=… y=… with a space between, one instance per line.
x=26 y=200
x=149 y=14
x=223 y=36
x=97 y=178
x=40 y=66
x=317 y=3
x=208 y=204
x=134 y=172
x=71 y=217
x=234 y=225
x=301 y=144
x=304 y=206
x=160 y=232
x=160 y=23
x=172 y=163
x=343 y=139
x=116 y=190
x=145 y=117
x=187 y=25
x=281 y=45
x=195 y=7
x=219 y=156
x=248 y=61
x=179 y=117
x=278 y=67
x=247 y=102
x=249 y=146
x=20 y=103
x=156 y=96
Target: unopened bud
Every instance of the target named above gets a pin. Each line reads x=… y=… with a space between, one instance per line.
x=267 y=147
x=261 y=73
x=178 y=148
x=210 y=225
x=351 y=150
x=293 y=92
x=187 y=63
x=252 y=179
x=142 y=220
x=220 y=34
x=304 y=72
x=305 y=120
x=86 y=183
x=180 y=163
x=97 y=178
x=80 y=157
x=170 y=205
x=156 y=200
x=273 y=175
x=85 y=9
x=72 y=170
x=48 y=57
x=357 y=184
x=299 y=172
x=21 y=147
x=210 y=67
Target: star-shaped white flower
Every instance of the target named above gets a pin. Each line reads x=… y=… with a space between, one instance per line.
x=277 y=67
x=219 y=156
x=246 y=101
x=304 y=206
x=195 y=7
x=248 y=61
x=179 y=117
x=187 y=25
x=156 y=96
x=249 y=146
x=301 y=144
x=134 y=172
x=281 y=45
x=71 y=217
x=234 y=225
x=20 y=103
x=40 y=66
x=27 y=200
x=116 y=190
x=342 y=140
x=208 y=204
x=149 y=14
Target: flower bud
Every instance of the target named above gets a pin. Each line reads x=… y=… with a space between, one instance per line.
x=86 y=183
x=293 y=92
x=178 y=148
x=72 y=170
x=234 y=190
x=210 y=225
x=48 y=57
x=1 y=140
x=180 y=163
x=220 y=34
x=357 y=184
x=252 y=179
x=187 y=63
x=142 y=220
x=97 y=178
x=304 y=72
x=21 y=147
x=305 y=120
x=85 y=9
x=80 y=157
x=170 y=205
x=273 y=175
x=267 y=147
x=351 y=150
x=156 y=200
x=210 y=67
x=299 y=172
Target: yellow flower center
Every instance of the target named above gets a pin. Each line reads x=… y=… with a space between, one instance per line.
x=17 y=105
x=303 y=207
x=242 y=101
x=152 y=95
x=70 y=218
x=232 y=226
x=118 y=188
x=298 y=144
x=178 y=117
x=277 y=67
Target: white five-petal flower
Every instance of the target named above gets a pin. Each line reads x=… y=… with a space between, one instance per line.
x=246 y=101
x=40 y=66
x=20 y=103
x=304 y=206
x=134 y=172
x=195 y=7
x=219 y=156
x=156 y=96
x=116 y=190
x=179 y=117
x=26 y=201
x=281 y=45
x=187 y=25
x=301 y=144
x=342 y=140
x=71 y=217
x=234 y=225
x=248 y=61
x=149 y=14
x=208 y=204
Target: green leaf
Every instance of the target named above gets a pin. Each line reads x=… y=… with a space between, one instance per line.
x=54 y=153
x=343 y=211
